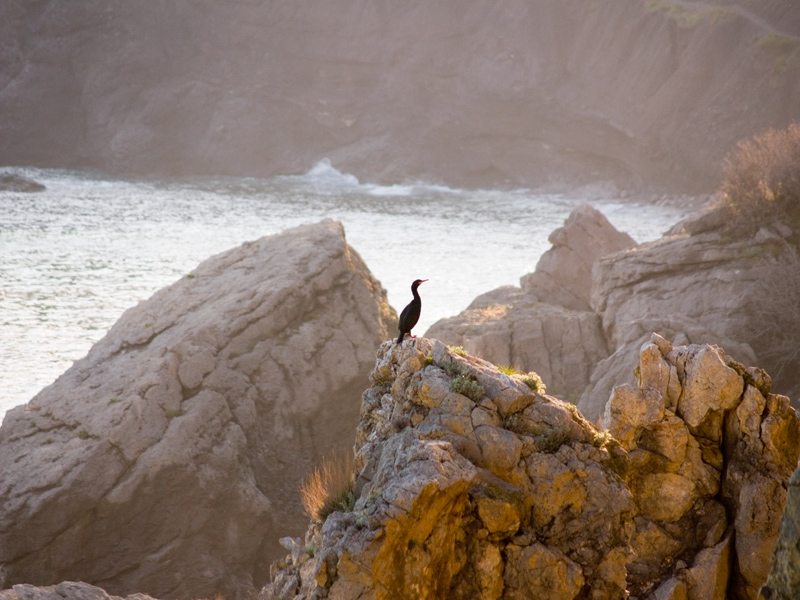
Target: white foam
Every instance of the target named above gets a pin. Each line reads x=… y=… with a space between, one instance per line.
x=325 y=173
x=389 y=190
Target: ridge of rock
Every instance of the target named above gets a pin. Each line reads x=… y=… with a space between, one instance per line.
x=508 y=493
x=695 y=285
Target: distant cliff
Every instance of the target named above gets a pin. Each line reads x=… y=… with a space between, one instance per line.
x=468 y=93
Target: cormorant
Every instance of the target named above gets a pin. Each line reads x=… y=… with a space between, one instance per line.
x=410 y=314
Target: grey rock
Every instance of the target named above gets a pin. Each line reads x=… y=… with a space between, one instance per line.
x=546 y=326
x=171 y=454
x=563 y=275
x=11 y=182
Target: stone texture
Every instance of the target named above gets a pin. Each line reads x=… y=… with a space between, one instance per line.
x=537 y=571
x=696 y=444
x=559 y=509
x=546 y=326
x=171 y=454
x=563 y=275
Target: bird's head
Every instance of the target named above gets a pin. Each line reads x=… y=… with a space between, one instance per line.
x=416 y=283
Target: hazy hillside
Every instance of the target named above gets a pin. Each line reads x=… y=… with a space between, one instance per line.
x=464 y=92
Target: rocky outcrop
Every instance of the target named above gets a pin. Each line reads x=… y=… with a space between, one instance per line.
x=167 y=460
x=12 y=182
x=709 y=447
x=519 y=93
x=696 y=285
x=546 y=326
x=472 y=485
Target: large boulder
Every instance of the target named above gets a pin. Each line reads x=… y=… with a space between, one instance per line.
x=167 y=460
x=471 y=484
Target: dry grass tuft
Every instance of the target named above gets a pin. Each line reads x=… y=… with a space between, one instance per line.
x=762 y=179
x=329 y=487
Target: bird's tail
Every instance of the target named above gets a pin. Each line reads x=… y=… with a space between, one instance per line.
x=400 y=337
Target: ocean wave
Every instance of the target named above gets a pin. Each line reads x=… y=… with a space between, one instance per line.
x=324 y=176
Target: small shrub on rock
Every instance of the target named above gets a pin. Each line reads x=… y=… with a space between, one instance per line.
x=467 y=387
x=552 y=438
x=531 y=379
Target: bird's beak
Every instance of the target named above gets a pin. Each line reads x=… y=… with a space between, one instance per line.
x=423 y=280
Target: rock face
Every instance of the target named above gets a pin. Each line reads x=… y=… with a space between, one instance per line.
x=507 y=493
x=546 y=326
x=694 y=286
x=783 y=582
x=563 y=275
x=167 y=461
x=519 y=91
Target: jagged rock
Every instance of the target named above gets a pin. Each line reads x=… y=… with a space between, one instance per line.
x=512 y=494
x=546 y=326
x=563 y=275
x=701 y=436
x=66 y=590
x=11 y=182
x=170 y=456
x=446 y=491
x=692 y=289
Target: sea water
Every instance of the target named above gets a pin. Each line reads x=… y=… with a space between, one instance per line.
x=74 y=257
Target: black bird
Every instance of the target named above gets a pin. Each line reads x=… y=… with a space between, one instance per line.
x=410 y=314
